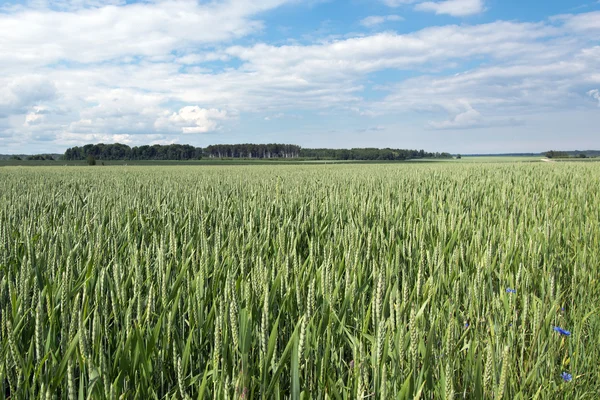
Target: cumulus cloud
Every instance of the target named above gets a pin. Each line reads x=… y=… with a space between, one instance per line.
x=490 y=96
x=121 y=102
x=595 y=94
x=21 y=92
x=202 y=58
x=76 y=139
x=472 y=119
x=193 y=119
x=587 y=22
x=148 y=29
x=390 y=50
x=455 y=8
x=468 y=118
x=73 y=4
x=375 y=20
x=36 y=116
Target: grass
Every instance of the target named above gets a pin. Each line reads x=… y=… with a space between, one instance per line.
x=503 y=159
x=301 y=281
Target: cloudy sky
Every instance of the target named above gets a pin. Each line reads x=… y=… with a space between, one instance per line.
x=444 y=75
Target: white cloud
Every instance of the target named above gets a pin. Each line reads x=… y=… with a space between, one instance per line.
x=398 y=3
x=492 y=96
x=276 y=116
x=374 y=20
x=33 y=119
x=73 y=139
x=36 y=116
x=389 y=50
x=595 y=94
x=73 y=4
x=587 y=22
x=20 y=92
x=202 y=58
x=193 y=119
x=468 y=118
x=152 y=29
x=119 y=111
x=456 y=8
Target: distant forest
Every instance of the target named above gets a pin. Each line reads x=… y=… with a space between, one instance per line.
x=251 y=151
x=572 y=154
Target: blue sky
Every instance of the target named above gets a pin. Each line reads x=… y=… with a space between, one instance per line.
x=464 y=76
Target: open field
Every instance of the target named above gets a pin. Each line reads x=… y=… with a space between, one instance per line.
x=301 y=281
x=291 y=161
x=203 y=162
x=503 y=159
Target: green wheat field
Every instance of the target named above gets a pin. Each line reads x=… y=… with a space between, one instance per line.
x=399 y=281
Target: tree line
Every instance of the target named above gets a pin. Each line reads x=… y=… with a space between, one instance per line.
x=370 y=154
x=572 y=154
x=119 y=151
x=248 y=150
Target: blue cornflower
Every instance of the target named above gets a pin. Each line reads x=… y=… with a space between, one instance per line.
x=566 y=377
x=466 y=324
x=562 y=331
x=509 y=290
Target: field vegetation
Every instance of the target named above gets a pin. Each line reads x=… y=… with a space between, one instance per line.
x=449 y=280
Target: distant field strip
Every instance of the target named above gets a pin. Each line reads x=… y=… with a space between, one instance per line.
x=430 y=280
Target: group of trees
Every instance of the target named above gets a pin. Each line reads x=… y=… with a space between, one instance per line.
x=571 y=154
x=370 y=154
x=119 y=151
x=30 y=157
x=248 y=150
x=556 y=154
x=38 y=157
